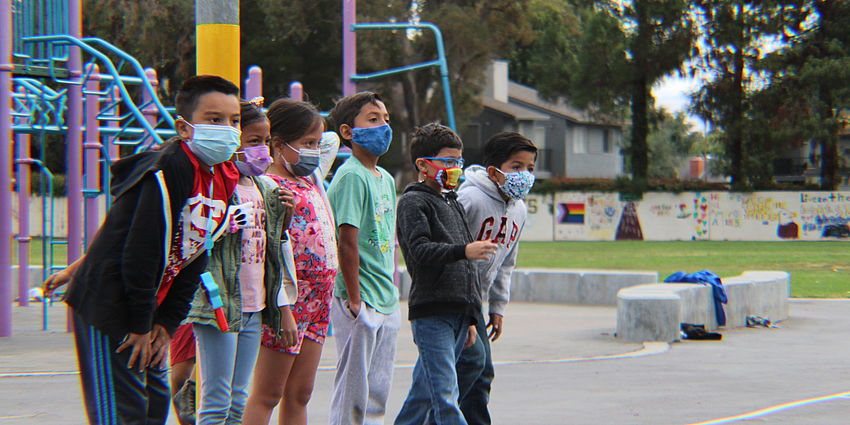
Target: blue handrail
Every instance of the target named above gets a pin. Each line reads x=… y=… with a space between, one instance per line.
x=439 y=62
x=110 y=70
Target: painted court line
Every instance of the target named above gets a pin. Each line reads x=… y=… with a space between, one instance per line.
x=649 y=348
x=775 y=409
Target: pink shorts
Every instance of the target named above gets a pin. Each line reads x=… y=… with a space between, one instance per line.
x=182 y=344
x=311 y=311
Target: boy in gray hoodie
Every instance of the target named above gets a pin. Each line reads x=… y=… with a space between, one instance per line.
x=445 y=293
x=492 y=197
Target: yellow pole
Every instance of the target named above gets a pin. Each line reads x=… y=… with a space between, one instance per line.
x=217 y=47
x=217 y=38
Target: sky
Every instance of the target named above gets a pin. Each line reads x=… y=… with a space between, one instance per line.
x=673 y=93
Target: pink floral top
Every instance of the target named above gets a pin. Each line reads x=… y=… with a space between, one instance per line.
x=312 y=230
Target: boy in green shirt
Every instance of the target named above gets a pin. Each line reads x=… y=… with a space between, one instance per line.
x=364 y=311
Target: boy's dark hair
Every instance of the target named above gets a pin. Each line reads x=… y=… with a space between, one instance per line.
x=251 y=112
x=291 y=119
x=194 y=87
x=347 y=108
x=503 y=145
x=430 y=139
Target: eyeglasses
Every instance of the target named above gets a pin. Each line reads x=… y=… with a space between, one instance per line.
x=449 y=162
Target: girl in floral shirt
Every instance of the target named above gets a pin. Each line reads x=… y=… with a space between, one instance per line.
x=302 y=156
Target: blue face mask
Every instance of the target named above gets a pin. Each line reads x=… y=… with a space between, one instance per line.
x=376 y=140
x=213 y=144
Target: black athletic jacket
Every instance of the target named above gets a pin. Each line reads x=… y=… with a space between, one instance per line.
x=433 y=235
x=122 y=285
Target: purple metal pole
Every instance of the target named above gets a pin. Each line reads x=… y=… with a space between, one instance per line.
x=254 y=83
x=23 y=238
x=150 y=112
x=74 y=143
x=114 y=153
x=92 y=148
x=296 y=91
x=349 y=46
x=5 y=168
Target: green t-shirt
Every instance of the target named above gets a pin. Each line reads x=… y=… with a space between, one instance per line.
x=360 y=199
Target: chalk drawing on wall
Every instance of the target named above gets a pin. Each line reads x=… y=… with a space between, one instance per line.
x=787 y=228
x=700 y=217
x=629 y=227
x=571 y=213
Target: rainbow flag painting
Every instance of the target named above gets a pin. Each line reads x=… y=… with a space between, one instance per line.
x=570 y=213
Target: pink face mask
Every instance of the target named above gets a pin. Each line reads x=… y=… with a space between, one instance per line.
x=257 y=160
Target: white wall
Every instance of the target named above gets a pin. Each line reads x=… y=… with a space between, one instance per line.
x=758 y=216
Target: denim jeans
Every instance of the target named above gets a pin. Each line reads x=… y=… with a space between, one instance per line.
x=227 y=361
x=434 y=391
x=475 y=374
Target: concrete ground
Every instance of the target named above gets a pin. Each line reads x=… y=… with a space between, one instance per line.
x=551 y=369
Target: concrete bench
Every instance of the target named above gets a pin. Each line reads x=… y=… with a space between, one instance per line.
x=655 y=312
x=563 y=286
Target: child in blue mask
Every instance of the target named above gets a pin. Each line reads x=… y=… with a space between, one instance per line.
x=132 y=289
x=492 y=196
x=286 y=368
x=364 y=308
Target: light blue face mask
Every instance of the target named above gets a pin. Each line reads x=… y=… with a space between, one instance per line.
x=376 y=140
x=213 y=144
x=308 y=161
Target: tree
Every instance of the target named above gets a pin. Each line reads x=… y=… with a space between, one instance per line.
x=811 y=79
x=734 y=32
x=671 y=141
x=625 y=49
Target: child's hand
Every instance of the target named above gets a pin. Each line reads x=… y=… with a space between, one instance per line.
x=56 y=280
x=285 y=197
x=495 y=326
x=288 y=328
x=480 y=250
x=141 y=354
x=160 y=341
x=470 y=337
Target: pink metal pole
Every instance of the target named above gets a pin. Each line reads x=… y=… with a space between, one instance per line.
x=296 y=91
x=114 y=153
x=74 y=144
x=92 y=148
x=150 y=112
x=349 y=46
x=5 y=168
x=254 y=83
x=23 y=142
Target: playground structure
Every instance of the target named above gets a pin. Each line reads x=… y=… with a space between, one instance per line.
x=56 y=83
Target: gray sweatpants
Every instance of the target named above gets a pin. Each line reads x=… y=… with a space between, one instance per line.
x=365 y=348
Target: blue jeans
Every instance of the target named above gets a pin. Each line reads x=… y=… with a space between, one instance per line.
x=475 y=374
x=227 y=361
x=434 y=391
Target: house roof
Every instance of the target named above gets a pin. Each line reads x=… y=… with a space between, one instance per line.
x=529 y=96
x=516 y=111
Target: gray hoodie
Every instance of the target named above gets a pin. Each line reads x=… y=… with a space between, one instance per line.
x=490 y=217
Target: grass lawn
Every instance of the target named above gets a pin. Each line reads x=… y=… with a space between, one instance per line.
x=818 y=269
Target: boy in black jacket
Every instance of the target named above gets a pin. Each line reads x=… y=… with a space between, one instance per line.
x=445 y=294
x=133 y=287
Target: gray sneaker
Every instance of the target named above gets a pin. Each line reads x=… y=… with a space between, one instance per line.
x=184 y=403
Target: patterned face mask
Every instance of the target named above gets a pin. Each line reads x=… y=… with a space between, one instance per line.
x=447 y=177
x=517 y=184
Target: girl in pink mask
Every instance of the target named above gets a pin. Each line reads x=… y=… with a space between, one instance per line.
x=302 y=154
x=246 y=264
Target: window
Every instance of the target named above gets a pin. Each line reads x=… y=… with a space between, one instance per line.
x=580 y=140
